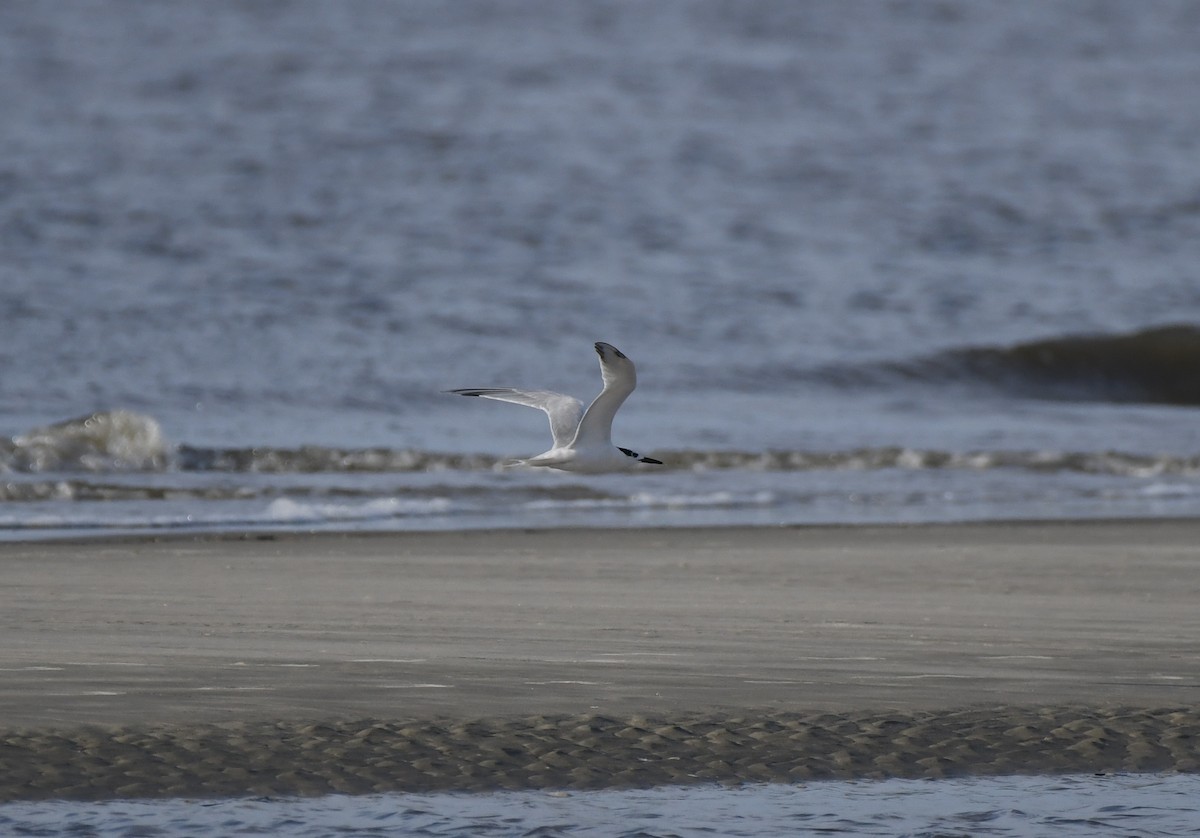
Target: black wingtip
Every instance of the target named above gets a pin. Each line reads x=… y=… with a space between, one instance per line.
x=635 y=455
x=601 y=346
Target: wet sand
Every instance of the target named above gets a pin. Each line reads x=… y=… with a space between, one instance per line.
x=590 y=658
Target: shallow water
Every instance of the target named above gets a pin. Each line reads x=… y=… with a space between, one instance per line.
x=276 y=232
x=1089 y=805
x=314 y=488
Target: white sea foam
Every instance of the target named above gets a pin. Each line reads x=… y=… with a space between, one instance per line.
x=111 y=441
x=288 y=510
x=657 y=500
x=1168 y=490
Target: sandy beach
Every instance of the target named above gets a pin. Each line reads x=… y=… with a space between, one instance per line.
x=228 y=665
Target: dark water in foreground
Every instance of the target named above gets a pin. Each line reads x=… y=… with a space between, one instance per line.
x=1024 y=807
x=876 y=261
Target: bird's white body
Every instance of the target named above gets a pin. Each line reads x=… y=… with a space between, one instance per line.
x=582 y=438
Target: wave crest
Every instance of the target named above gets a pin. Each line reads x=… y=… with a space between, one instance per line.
x=1159 y=365
x=118 y=440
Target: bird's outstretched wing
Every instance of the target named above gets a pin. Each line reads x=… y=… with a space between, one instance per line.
x=620 y=379
x=564 y=411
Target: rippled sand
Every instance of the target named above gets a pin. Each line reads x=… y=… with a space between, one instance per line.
x=587 y=752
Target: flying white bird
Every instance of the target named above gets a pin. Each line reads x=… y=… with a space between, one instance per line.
x=582 y=439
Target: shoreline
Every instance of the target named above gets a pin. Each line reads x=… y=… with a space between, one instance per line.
x=290 y=664
x=255 y=533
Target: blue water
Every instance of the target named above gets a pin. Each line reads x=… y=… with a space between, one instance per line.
x=274 y=233
x=1094 y=806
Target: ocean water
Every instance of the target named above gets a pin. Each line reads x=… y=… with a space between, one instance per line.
x=1130 y=806
x=904 y=261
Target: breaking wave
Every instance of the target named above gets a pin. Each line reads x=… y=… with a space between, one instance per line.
x=126 y=442
x=314 y=459
x=122 y=442
x=1159 y=365
x=112 y=441
x=114 y=472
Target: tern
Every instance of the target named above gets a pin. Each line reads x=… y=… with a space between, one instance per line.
x=582 y=438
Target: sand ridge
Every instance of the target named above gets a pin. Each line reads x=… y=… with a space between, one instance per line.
x=586 y=751
x=246 y=665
